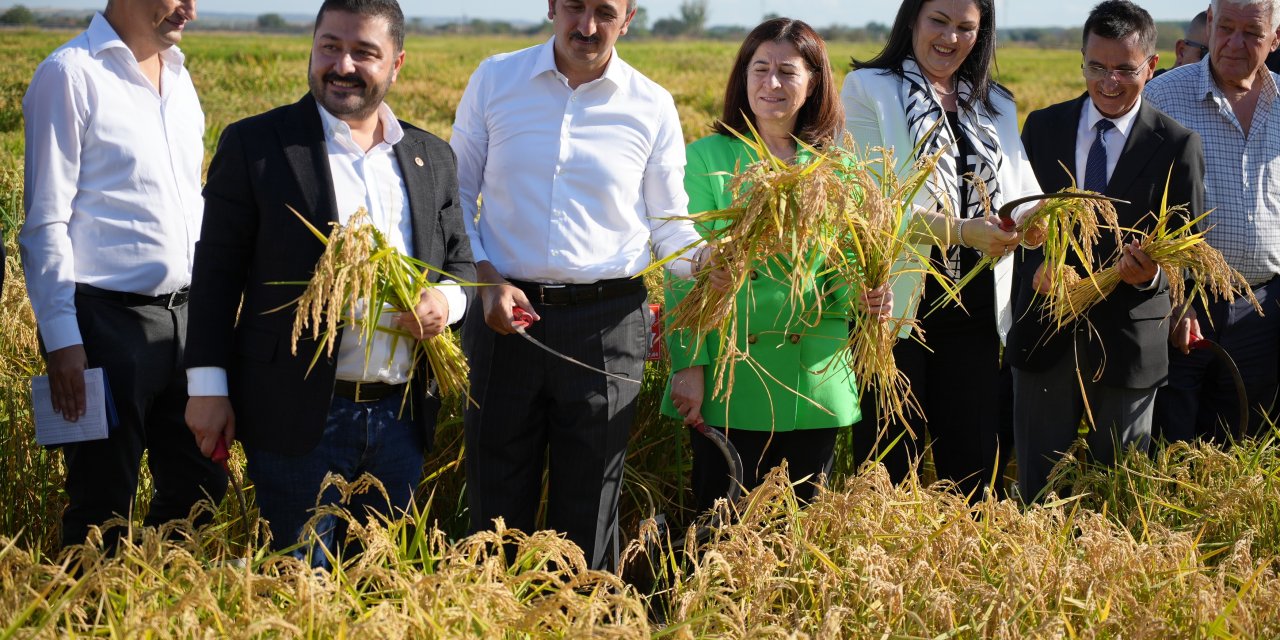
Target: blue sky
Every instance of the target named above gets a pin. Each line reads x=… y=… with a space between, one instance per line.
x=820 y=12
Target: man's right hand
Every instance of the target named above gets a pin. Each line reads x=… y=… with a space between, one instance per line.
x=211 y=418
x=499 y=299
x=1185 y=331
x=66 y=381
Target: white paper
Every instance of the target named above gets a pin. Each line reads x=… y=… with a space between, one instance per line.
x=52 y=428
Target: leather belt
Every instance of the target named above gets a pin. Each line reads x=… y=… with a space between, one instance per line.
x=366 y=391
x=166 y=300
x=570 y=294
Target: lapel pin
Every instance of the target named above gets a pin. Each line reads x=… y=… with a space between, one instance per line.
x=418 y=161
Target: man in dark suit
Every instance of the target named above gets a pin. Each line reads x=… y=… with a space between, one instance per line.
x=336 y=150
x=1115 y=358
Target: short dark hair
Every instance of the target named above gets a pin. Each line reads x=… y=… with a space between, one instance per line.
x=976 y=68
x=1119 y=19
x=1201 y=20
x=821 y=116
x=389 y=9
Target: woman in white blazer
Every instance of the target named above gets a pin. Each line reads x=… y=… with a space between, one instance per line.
x=930 y=89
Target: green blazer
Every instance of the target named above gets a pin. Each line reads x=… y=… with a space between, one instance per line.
x=799 y=350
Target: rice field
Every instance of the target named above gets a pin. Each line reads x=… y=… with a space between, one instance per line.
x=1181 y=544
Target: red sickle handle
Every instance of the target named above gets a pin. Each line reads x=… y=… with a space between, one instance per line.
x=1197 y=341
x=221 y=455
x=521 y=318
x=1007 y=224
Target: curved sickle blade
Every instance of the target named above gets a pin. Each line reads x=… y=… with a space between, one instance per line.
x=731 y=457
x=1006 y=210
x=1242 y=395
x=562 y=356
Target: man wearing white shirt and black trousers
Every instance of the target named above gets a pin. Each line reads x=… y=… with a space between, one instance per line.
x=579 y=160
x=334 y=151
x=114 y=145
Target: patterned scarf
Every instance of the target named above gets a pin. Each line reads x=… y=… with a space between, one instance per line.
x=929 y=128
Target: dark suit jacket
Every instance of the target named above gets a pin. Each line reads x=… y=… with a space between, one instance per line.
x=264 y=165
x=1128 y=338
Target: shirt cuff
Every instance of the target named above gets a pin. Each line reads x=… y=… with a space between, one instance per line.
x=59 y=333
x=457 y=300
x=206 y=381
x=682 y=267
x=1151 y=285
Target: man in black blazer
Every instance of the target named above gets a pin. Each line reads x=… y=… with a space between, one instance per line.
x=335 y=150
x=1115 y=144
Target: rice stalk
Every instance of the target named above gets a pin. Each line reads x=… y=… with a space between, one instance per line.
x=359 y=277
x=1181 y=252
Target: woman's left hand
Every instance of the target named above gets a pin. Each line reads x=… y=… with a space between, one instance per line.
x=985 y=235
x=878 y=302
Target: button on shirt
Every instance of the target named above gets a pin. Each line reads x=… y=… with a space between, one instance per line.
x=112 y=177
x=1242 y=175
x=371 y=180
x=576 y=183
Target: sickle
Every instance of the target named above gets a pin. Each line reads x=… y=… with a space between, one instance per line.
x=1005 y=212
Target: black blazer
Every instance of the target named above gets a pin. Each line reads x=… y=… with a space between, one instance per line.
x=1128 y=338
x=264 y=165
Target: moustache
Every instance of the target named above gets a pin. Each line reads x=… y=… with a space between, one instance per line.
x=577 y=35
x=353 y=78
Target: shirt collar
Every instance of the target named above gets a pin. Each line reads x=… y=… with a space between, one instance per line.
x=615 y=72
x=1124 y=124
x=103 y=36
x=339 y=132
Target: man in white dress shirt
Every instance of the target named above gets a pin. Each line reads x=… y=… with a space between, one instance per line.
x=580 y=162
x=114 y=145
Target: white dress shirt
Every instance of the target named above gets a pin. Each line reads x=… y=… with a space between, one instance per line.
x=371 y=180
x=112 y=177
x=1113 y=140
x=577 y=183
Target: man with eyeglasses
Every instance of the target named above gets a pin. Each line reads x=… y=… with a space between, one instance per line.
x=1232 y=103
x=1114 y=143
x=1191 y=48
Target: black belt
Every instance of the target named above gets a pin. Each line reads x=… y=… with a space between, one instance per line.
x=167 y=300
x=366 y=391
x=566 y=294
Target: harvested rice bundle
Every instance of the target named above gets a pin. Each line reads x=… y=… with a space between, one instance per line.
x=1180 y=252
x=789 y=214
x=878 y=247
x=1073 y=221
x=359 y=277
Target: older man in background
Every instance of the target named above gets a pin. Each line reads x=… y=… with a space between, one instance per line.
x=1231 y=101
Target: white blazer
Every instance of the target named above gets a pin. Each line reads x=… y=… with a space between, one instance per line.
x=876 y=117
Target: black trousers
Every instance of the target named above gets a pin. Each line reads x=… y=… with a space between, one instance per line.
x=966 y=394
x=1201 y=400
x=140 y=349
x=808 y=452
x=538 y=412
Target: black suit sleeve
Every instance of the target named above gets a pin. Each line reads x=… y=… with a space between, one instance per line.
x=457 y=260
x=223 y=255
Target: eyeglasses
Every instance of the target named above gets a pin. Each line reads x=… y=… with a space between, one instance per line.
x=1204 y=49
x=1123 y=76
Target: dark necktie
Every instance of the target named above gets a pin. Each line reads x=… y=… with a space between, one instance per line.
x=1095 y=168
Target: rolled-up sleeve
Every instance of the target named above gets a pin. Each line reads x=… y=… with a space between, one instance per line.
x=54 y=109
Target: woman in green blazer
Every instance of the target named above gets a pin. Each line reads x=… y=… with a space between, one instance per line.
x=782 y=82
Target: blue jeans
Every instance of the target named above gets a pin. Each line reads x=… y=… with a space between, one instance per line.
x=359 y=438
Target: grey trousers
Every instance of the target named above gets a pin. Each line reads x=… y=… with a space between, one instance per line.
x=538 y=412
x=1047 y=410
